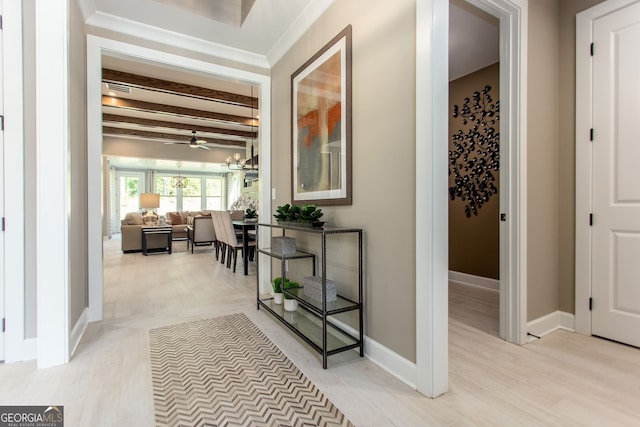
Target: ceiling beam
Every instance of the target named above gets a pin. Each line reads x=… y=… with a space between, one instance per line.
x=107 y=130
x=152 y=107
x=114 y=118
x=165 y=86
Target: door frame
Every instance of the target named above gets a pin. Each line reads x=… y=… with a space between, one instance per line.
x=18 y=347
x=2 y=181
x=432 y=33
x=513 y=16
x=584 y=159
x=98 y=46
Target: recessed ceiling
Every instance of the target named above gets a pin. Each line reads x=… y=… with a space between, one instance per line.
x=230 y=12
x=262 y=28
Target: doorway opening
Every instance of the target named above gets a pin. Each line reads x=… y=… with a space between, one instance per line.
x=96 y=48
x=474 y=167
x=431 y=132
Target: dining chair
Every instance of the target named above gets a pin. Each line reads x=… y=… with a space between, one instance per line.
x=234 y=245
x=221 y=235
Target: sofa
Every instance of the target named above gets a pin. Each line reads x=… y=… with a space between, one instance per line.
x=131 y=228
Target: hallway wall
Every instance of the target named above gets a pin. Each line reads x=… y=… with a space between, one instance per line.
x=383 y=154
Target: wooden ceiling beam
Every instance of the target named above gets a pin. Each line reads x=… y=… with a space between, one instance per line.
x=152 y=107
x=114 y=118
x=165 y=86
x=107 y=130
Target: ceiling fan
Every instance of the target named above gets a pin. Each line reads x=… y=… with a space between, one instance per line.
x=194 y=142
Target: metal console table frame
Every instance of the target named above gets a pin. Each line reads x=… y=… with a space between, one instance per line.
x=312 y=323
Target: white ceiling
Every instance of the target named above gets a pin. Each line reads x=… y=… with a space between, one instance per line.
x=474 y=38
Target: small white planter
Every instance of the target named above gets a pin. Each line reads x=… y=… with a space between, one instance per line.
x=290 y=305
x=277 y=298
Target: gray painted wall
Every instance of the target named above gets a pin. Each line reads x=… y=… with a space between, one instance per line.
x=383 y=153
x=78 y=271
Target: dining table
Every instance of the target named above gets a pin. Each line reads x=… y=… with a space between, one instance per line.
x=245 y=226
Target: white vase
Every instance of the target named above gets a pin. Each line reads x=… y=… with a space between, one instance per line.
x=290 y=304
x=277 y=297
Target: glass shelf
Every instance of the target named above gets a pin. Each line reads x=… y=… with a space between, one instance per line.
x=309 y=327
x=326 y=229
x=340 y=305
x=298 y=255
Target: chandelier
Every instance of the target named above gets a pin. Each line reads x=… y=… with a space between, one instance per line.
x=237 y=162
x=179 y=181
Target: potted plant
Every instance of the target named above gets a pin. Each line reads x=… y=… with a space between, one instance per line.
x=309 y=214
x=302 y=215
x=285 y=213
x=276 y=284
x=290 y=303
x=250 y=215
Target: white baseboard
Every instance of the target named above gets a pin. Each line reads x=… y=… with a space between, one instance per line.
x=78 y=331
x=546 y=324
x=390 y=361
x=470 y=279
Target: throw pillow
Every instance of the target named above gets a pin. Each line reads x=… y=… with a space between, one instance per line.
x=175 y=218
x=133 y=218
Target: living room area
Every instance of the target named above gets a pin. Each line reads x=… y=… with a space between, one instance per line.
x=175 y=146
x=148 y=192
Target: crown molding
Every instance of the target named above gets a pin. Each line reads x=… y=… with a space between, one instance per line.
x=128 y=27
x=87 y=7
x=309 y=15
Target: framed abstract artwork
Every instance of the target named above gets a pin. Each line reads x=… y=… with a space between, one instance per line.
x=321 y=125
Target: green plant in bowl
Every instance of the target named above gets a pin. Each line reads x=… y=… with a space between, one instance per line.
x=309 y=213
x=299 y=214
x=288 y=285
x=250 y=214
x=276 y=284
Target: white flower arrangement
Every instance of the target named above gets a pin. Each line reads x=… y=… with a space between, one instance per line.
x=243 y=203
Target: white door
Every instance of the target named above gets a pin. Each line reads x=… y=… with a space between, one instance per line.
x=2 y=192
x=616 y=177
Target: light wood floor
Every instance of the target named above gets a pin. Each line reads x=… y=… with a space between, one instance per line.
x=562 y=380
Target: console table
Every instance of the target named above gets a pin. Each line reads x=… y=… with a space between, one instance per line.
x=313 y=323
x=161 y=232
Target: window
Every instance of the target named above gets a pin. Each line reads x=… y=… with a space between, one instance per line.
x=192 y=195
x=213 y=194
x=168 y=195
x=200 y=193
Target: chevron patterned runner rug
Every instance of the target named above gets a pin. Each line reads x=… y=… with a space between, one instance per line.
x=226 y=372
